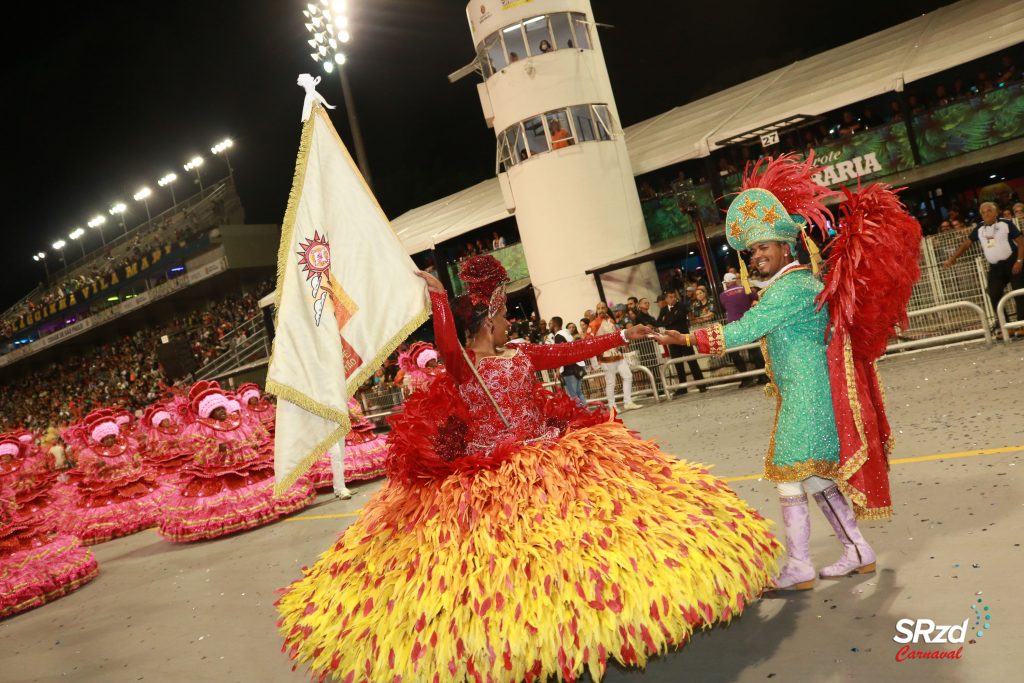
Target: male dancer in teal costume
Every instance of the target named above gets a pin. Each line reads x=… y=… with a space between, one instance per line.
x=804 y=453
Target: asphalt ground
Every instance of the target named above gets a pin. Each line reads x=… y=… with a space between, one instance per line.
x=204 y=612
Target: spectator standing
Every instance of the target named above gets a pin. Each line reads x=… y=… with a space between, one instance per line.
x=1003 y=246
x=673 y=317
x=643 y=313
x=613 y=363
x=1018 y=215
x=736 y=302
x=702 y=310
x=497 y=241
x=572 y=375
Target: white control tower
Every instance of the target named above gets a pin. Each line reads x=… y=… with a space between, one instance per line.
x=562 y=160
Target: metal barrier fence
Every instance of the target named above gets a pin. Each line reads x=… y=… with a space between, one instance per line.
x=380 y=402
x=246 y=344
x=1005 y=326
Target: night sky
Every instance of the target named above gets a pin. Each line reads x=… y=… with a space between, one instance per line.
x=110 y=96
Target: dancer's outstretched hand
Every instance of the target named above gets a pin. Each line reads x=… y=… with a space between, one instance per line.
x=671 y=337
x=433 y=284
x=639 y=332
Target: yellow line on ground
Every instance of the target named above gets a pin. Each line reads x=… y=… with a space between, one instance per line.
x=961 y=454
x=749 y=477
x=920 y=458
x=337 y=516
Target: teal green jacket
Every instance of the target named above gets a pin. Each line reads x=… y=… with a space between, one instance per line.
x=804 y=440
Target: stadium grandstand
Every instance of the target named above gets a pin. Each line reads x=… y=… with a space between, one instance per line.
x=161 y=303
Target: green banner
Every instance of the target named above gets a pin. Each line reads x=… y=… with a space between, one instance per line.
x=512 y=257
x=863 y=156
x=970 y=125
x=860 y=157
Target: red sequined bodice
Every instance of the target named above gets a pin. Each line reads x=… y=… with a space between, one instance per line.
x=510 y=378
x=511 y=381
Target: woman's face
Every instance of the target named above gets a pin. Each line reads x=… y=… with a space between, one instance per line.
x=499 y=329
x=572 y=328
x=702 y=294
x=108 y=440
x=219 y=413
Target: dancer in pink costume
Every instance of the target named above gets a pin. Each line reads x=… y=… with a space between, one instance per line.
x=229 y=484
x=26 y=469
x=362 y=458
x=36 y=566
x=115 y=497
x=164 y=450
x=420 y=365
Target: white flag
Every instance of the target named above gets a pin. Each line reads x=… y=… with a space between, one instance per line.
x=347 y=296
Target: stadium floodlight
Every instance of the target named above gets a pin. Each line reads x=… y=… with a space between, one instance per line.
x=116 y=210
x=41 y=258
x=193 y=165
x=143 y=196
x=59 y=246
x=76 y=235
x=168 y=180
x=222 y=147
x=328 y=25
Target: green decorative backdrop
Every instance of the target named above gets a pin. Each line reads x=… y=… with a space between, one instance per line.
x=512 y=257
x=970 y=125
x=665 y=220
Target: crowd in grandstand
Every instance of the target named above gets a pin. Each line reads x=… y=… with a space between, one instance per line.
x=175 y=227
x=999 y=71
x=123 y=373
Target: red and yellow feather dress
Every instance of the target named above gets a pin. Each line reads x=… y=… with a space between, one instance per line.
x=527 y=551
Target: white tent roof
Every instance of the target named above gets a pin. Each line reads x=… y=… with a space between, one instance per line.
x=850 y=73
x=450 y=217
x=873 y=65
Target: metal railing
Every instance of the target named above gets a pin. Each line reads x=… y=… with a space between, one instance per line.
x=981 y=331
x=671 y=386
x=247 y=344
x=1005 y=325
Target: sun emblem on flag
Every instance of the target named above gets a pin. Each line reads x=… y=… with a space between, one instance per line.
x=315 y=257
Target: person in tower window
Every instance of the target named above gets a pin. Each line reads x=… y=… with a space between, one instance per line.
x=559 y=136
x=1003 y=246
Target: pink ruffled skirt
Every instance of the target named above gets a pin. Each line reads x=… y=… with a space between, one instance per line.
x=30 y=578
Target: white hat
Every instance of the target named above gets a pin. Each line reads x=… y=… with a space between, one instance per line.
x=730 y=277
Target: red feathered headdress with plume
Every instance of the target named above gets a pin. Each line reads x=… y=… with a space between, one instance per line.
x=791 y=180
x=871 y=268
